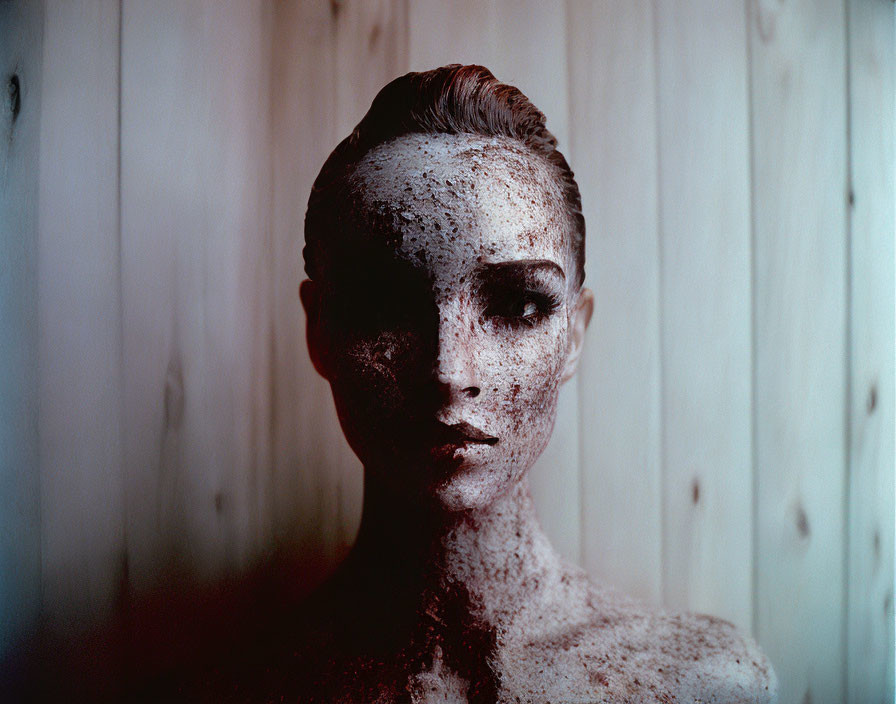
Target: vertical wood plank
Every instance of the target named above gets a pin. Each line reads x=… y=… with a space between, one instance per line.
x=613 y=126
x=80 y=312
x=704 y=182
x=800 y=243
x=194 y=223
x=370 y=50
x=524 y=44
x=21 y=46
x=869 y=636
x=462 y=32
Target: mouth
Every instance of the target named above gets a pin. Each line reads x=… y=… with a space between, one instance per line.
x=463 y=433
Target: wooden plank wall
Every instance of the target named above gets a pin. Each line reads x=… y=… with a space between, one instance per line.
x=872 y=306
x=728 y=445
x=21 y=32
x=79 y=315
x=613 y=114
x=800 y=190
x=704 y=234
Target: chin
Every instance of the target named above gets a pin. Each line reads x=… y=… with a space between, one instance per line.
x=467 y=493
x=471 y=486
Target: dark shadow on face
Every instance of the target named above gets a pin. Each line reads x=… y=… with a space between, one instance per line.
x=444 y=319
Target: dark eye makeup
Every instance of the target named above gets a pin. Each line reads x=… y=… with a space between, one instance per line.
x=512 y=305
x=520 y=293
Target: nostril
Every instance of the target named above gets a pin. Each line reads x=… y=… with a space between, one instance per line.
x=472 y=391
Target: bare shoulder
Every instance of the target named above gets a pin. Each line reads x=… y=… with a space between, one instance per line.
x=624 y=651
x=699 y=658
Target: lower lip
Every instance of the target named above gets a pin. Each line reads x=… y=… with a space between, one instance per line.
x=452 y=450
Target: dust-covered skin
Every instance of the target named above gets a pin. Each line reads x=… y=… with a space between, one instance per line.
x=462 y=318
x=448 y=317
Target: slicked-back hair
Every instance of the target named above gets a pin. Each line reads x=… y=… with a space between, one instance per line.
x=452 y=99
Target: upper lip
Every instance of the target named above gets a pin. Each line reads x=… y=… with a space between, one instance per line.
x=462 y=432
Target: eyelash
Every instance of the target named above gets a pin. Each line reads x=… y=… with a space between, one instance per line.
x=503 y=305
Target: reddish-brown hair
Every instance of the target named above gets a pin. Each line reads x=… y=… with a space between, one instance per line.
x=452 y=99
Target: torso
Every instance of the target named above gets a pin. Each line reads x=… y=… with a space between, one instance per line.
x=590 y=645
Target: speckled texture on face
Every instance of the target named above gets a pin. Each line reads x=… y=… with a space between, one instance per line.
x=445 y=335
x=477 y=285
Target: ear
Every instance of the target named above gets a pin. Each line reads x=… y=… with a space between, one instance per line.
x=581 y=316
x=310 y=293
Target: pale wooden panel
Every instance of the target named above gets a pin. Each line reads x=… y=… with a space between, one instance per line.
x=21 y=32
x=461 y=32
x=524 y=44
x=80 y=311
x=799 y=214
x=195 y=200
x=869 y=644
x=613 y=125
x=530 y=45
x=704 y=182
x=370 y=50
x=328 y=63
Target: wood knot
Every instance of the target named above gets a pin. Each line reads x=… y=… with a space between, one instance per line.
x=375 y=34
x=871 y=403
x=765 y=24
x=802 y=522
x=174 y=396
x=15 y=95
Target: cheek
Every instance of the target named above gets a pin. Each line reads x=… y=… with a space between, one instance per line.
x=373 y=373
x=525 y=377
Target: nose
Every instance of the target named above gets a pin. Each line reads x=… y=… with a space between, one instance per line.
x=456 y=365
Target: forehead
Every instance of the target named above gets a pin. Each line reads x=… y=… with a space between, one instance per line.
x=461 y=194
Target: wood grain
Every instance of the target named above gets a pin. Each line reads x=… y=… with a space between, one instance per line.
x=869 y=606
x=82 y=492
x=462 y=32
x=194 y=219
x=21 y=56
x=704 y=195
x=800 y=275
x=614 y=152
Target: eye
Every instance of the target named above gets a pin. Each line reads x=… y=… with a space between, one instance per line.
x=530 y=310
x=514 y=307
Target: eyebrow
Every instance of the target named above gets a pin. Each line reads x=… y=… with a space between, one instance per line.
x=524 y=266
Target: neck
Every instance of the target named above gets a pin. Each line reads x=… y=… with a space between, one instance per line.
x=493 y=559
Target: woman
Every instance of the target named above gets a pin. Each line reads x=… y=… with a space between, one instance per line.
x=445 y=252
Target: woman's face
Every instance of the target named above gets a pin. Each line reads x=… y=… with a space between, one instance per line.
x=450 y=318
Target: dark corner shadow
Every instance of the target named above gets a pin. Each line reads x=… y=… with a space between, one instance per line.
x=163 y=639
